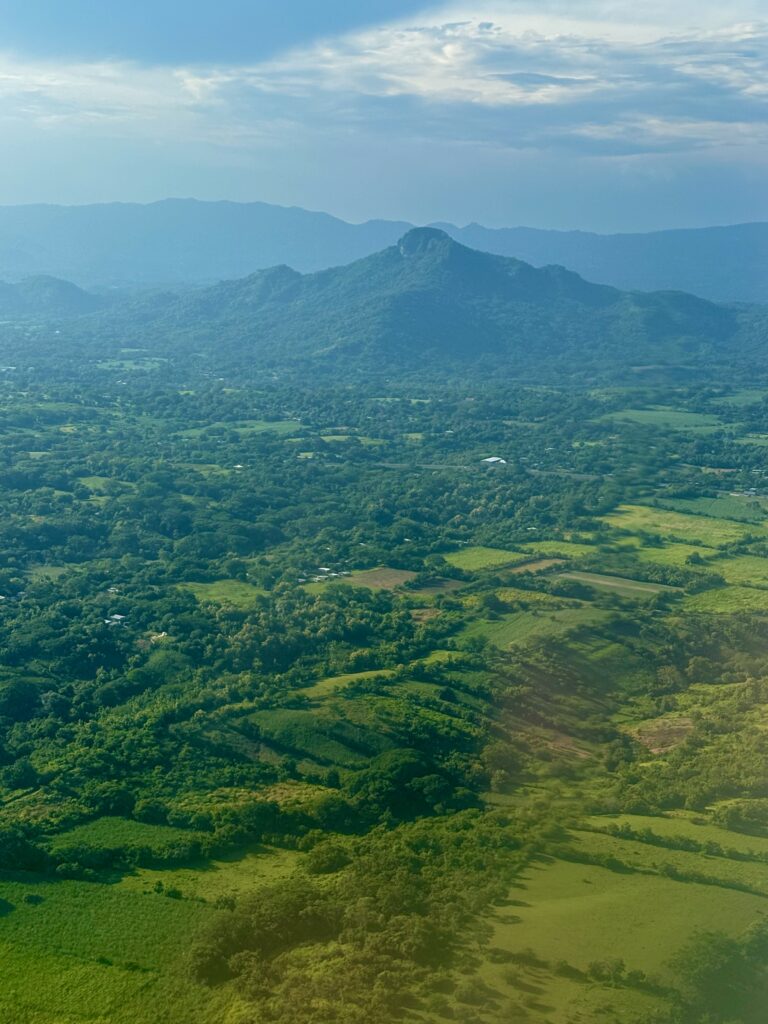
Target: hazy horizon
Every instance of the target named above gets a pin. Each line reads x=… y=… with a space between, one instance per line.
x=595 y=116
x=374 y=218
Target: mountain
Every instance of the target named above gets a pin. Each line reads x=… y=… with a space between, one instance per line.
x=177 y=241
x=724 y=264
x=186 y=241
x=45 y=296
x=429 y=301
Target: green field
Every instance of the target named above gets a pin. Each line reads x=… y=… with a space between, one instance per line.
x=732 y=506
x=743 y=570
x=563 y=548
x=522 y=627
x=686 y=528
x=727 y=600
x=579 y=913
x=112 y=833
x=676 y=555
x=234 y=592
x=687 y=826
x=244 y=427
x=93 y=954
x=476 y=558
x=666 y=419
x=332 y=684
x=617 y=585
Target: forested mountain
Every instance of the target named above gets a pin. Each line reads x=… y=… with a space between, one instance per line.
x=45 y=295
x=176 y=241
x=431 y=302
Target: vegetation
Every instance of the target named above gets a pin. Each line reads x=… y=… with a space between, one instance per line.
x=296 y=728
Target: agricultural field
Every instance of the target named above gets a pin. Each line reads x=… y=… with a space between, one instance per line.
x=666 y=419
x=522 y=627
x=743 y=508
x=233 y=592
x=728 y=600
x=704 y=530
x=615 y=584
x=474 y=559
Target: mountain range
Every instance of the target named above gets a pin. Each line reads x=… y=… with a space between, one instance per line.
x=427 y=303
x=186 y=241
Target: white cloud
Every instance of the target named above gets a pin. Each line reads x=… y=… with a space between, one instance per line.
x=520 y=75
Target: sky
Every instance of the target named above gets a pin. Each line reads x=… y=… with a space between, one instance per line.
x=608 y=115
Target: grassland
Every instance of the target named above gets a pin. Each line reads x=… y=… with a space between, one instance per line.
x=727 y=600
x=730 y=506
x=80 y=953
x=325 y=687
x=666 y=418
x=522 y=627
x=120 y=833
x=676 y=555
x=705 y=530
x=474 y=559
x=244 y=427
x=686 y=825
x=234 y=592
x=580 y=913
x=563 y=548
x=618 y=585
x=743 y=570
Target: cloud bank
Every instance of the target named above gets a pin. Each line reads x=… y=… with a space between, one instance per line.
x=602 y=81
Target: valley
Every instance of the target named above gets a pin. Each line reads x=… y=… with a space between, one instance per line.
x=254 y=665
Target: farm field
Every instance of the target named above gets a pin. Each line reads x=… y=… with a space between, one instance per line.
x=630 y=588
x=705 y=530
x=473 y=559
x=739 y=507
x=580 y=913
x=677 y=555
x=522 y=627
x=742 y=570
x=728 y=600
x=90 y=953
x=666 y=419
x=234 y=592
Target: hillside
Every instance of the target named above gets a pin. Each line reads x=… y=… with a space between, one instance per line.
x=430 y=302
x=45 y=296
x=187 y=241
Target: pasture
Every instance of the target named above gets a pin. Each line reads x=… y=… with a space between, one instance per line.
x=617 y=584
x=689 y=529
x=522 y=627
x=727 y=506
x=233 y=592
x=743 y=570
x=686 y=825
x=85 y=953
x=562 y=548
x=474 y=559
x=579 y=913
x=665 y=418
x=727 y=600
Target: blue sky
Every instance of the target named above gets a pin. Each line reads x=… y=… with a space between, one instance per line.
x=601 y=114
